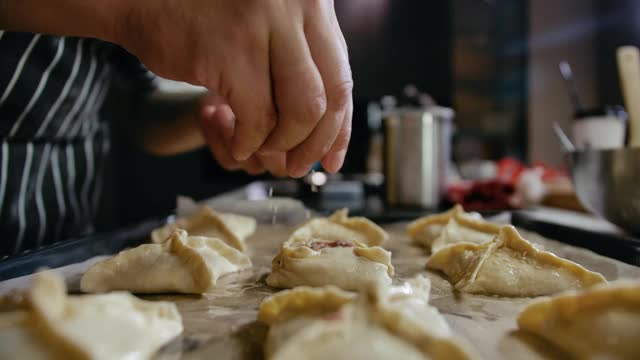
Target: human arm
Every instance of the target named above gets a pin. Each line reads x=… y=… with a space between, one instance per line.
x=282 y=65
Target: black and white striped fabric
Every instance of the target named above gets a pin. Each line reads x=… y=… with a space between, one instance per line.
x=53 y=143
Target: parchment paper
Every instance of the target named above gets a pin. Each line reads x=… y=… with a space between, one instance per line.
x=222 y=323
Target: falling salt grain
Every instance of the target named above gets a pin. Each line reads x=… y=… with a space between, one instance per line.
x=274 y=214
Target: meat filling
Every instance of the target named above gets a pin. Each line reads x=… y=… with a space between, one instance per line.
x=319 y=245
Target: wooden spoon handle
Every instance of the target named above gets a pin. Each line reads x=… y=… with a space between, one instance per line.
x=629 y=69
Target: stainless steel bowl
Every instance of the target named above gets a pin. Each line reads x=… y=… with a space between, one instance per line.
x=607 y=183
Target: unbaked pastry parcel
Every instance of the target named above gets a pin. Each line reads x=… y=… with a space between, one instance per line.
x=181 y=264
x=454 y=226
x=337 y=250
x=381 y=323
x=602 y=322
x=49 y=324
x=509 y=266
x=232 y=228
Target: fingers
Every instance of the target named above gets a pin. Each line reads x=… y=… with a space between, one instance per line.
x=298 y=86
x=247 y=86
x=329 y=54
x=275 y=163
x=218 y=122
x=334 y=159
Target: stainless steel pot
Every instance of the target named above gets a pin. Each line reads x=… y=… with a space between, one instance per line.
x=417 y=155
x=607 y=183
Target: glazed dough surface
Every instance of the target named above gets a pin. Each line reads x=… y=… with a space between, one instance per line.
x=387 y=322
x=337 y=251
x=181 y=264
x=231 y=228
x=599 y=322
x=343 y=339
x=110 y=326
x=454 y=226
x=341 y=266
x=509 y=266
x=460 y=230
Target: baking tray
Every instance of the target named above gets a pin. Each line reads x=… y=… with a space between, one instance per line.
x=614 y=245
x=77 y=250
x=222 y=323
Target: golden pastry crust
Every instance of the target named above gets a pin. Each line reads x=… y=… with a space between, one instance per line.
x=602 y=321
x=233 y=229
x=511 y=239
x=399 y=314
x=187 y=248
x=303 y=300
x=376 y=254
x=332 y=251
x=58 y=326
x=183 y=264
x=474 y=223
x=434 y=347
x=374 y=234
x=465 y=263
x=427 y=230
x=417 y=227
x=566 y=306
x=339 y=226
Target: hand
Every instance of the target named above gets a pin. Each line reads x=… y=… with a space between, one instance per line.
x=282 y=65
x=217 y=123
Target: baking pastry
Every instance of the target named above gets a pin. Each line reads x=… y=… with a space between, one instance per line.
x=302 y=300
x=426 y=229
x=53 y=325
x=232 y=228
x=509 y=266
x=383 y=323
x=602 y=322
x=338 y=250
x=181 y=264
x=453 y=226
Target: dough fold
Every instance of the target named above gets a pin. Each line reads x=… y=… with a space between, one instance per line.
x=181 y=264
x=454 y=226
x=337 y=250
x=509 y=266
x=602 y=322
x=54 y=325
x=381 y=323
x=231 y=228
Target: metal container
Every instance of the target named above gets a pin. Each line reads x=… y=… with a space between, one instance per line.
x=417 y=155
x=606 y=182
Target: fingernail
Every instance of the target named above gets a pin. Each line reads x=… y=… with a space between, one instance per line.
x=335 y=161
x=299 y=171
x=238 y=155
x=208 y=110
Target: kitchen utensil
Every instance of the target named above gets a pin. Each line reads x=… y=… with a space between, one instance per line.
x=564 y=140
x=629 y=69
x=606 y=182
x=567 y=75
x=417 y=155
x=601 y=128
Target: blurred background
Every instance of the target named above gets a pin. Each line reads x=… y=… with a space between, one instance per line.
x=495 y=62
